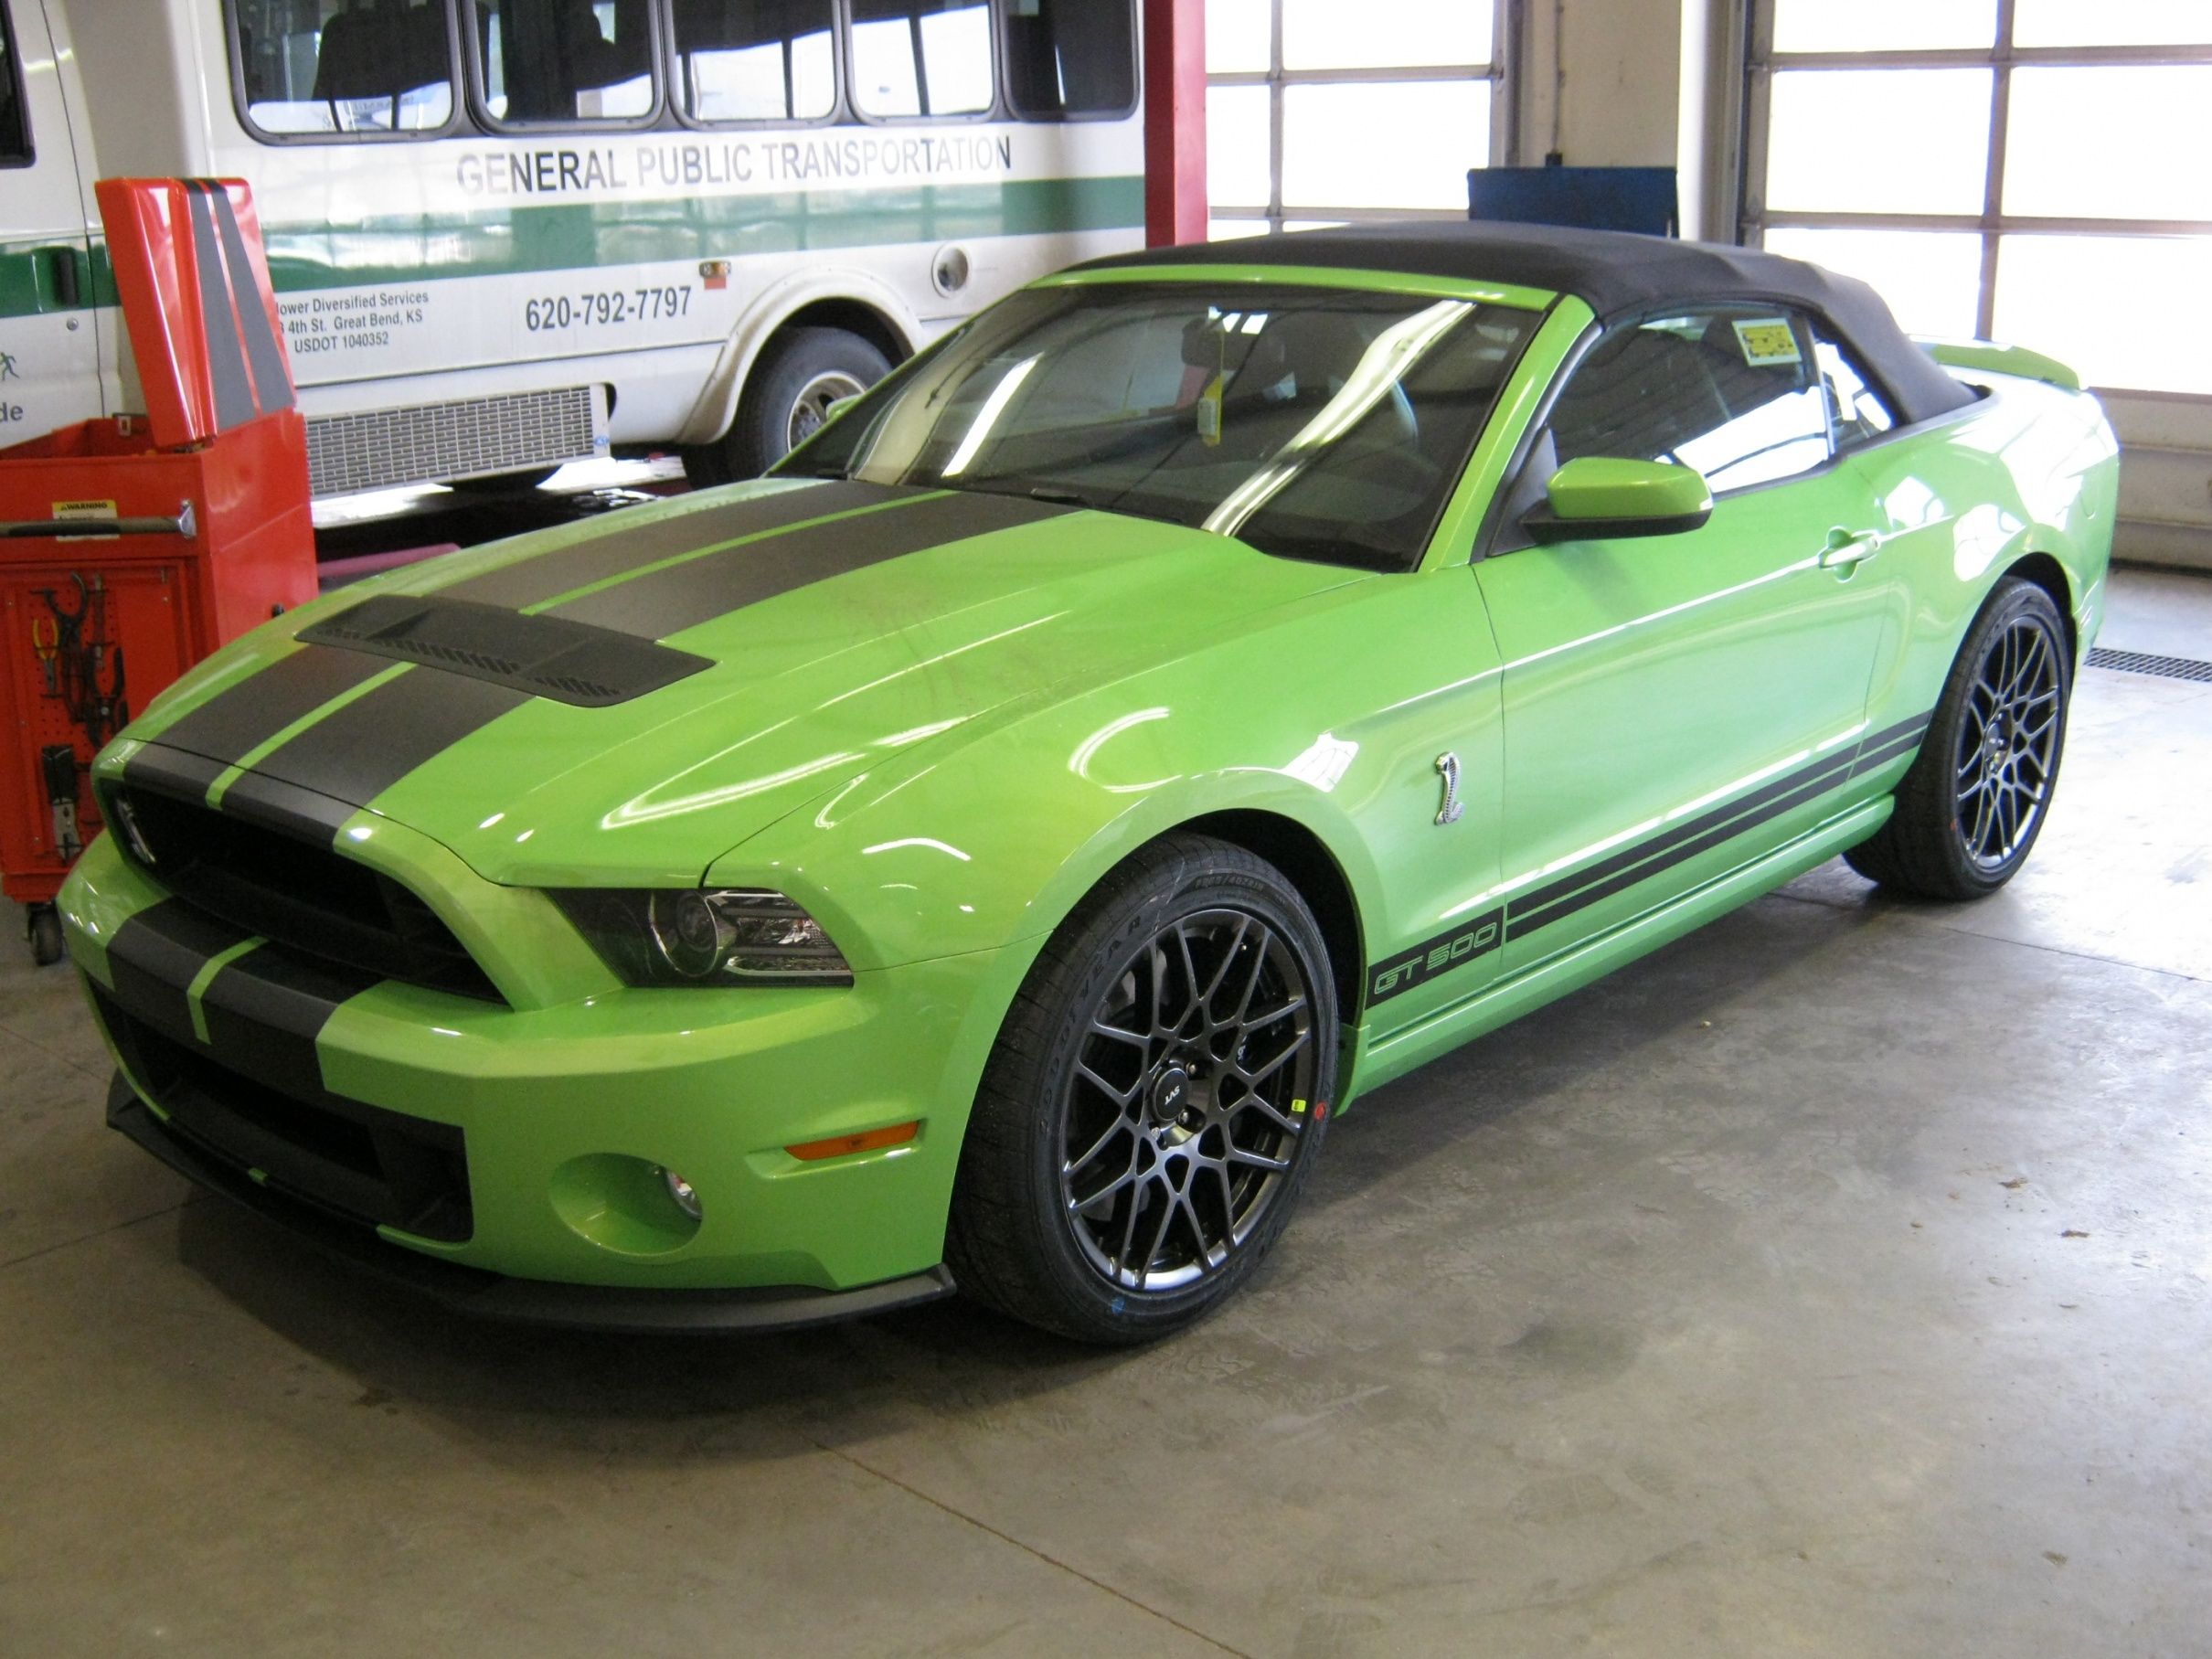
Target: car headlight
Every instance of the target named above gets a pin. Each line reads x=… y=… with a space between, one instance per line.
x=710 y=936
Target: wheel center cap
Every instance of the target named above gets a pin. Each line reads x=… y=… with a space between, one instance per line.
x=1170 y=1095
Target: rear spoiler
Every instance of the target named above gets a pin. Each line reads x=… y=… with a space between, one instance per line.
x=1987 y=358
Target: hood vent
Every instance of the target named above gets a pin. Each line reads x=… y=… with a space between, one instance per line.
x=546 y=656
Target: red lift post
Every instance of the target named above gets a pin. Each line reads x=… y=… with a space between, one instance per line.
x=1175 y=122
x=132 y=546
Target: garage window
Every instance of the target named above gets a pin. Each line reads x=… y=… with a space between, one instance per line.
x=1322 y=112
x=756 y=59
x=1985 y=164
x=367 y=68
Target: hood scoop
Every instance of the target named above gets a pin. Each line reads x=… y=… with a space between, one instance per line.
x=546 y=656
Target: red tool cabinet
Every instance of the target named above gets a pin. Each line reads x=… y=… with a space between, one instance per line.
x=132 y=547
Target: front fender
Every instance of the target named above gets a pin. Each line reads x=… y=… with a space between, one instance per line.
x=946 y=861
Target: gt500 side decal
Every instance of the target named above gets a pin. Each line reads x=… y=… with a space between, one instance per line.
x=1541 y=906
x=1447 y=951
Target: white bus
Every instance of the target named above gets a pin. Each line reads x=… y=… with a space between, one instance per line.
x=511 y=233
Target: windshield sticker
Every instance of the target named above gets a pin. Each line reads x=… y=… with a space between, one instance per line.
x=1768 y=341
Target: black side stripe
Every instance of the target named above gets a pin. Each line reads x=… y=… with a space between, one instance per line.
x=625 y=544
x=156 y=955
x=243 y=717
x=1903 y=728
x=665 y=603
x=361 y=750
x=1556 y=900
x=1827 y=773
x=271 y=380
x=1524 y=918
x=1624 y=869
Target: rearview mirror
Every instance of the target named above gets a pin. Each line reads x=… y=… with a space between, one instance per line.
x=1597 y=498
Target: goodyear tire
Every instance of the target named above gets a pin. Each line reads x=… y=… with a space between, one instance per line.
x=1155 y=1102
x=1969 y=811
x=801 y=373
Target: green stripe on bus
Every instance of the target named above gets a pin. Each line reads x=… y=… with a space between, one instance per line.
x=28 y=277
x=572 y=235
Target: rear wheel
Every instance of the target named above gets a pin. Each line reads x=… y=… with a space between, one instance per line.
x=1155 y=1102
x=1970 y=809
x=787 y=397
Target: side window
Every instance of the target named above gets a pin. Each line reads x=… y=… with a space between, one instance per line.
x=576 y=62
x=1731 y=391
x=756 y=59
x=922 y=57
x=1070 y=57
x=319 y=67
x=1855 y=409
x=14 y=125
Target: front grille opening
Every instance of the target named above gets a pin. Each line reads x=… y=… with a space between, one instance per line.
x=299 y=894
x=356 y=1161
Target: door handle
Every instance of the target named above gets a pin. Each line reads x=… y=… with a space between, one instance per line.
x=69 y=293
x=1846 y=549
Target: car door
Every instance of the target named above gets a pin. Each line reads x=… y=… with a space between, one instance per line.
x=49 y=352
x=1676 y=704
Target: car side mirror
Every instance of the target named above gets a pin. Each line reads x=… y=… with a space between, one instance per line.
x=1599 y=497
x=838 y=405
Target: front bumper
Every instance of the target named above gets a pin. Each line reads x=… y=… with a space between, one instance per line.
x=507 y=1158
x=486 y=1295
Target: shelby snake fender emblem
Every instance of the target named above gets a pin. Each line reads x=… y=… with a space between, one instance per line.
x=1448 y=769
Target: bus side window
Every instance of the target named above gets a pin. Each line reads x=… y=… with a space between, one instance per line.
x=316 y=67
x=922 y=57
x=756 y=59
x=1070 y=57
x=15 y=133
x=572 y=61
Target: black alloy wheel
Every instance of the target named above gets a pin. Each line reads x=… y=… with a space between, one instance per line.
x=2005 y=758
x=1969 y=809
x=1154 y=1101
x=1182 y=1113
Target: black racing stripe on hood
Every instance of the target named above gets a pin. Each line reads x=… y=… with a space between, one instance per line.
x=625 y=544
x=361 y=750
x=241 y=717
x=665 y=603
x=173 y=772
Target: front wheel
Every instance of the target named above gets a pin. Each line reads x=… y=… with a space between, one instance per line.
x=1155 y=1102
x=1971 y=807
x=787 y=397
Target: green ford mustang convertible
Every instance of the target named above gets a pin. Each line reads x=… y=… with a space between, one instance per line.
x=989 y=852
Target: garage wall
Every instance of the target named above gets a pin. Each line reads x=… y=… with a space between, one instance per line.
x=1632 y=83
x=2166 y=478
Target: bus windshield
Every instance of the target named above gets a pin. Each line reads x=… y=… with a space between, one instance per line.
x=1313 y=423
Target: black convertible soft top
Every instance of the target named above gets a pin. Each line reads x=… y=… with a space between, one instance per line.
x=1614 y=272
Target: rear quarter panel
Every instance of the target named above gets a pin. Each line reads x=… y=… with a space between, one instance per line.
x=2029 y=473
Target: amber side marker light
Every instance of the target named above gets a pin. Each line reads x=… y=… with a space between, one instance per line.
x=841 y=1146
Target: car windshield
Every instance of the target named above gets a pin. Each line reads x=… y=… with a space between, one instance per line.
x=1313 y=423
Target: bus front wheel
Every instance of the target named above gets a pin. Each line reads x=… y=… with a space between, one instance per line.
x=786 y=399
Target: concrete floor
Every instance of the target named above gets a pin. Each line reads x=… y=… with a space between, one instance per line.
x=1833 y=1282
